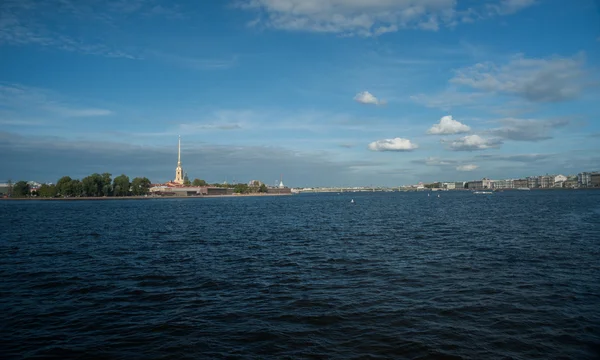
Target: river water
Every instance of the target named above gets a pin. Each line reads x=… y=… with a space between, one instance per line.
x=513 y=275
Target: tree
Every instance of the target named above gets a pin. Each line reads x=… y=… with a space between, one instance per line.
x=186 y=180
x=262 y=188
x=140 y=186
x=92 y=185
x=75 y=188
x=241 y=189
x=20 y=189
x=199 y=182
x=62 y=185
x=106 y=188
x=47 y=190
x=121 y=185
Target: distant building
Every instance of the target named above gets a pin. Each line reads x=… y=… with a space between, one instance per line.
x=504 y=184
x=4 y=189
x=559 y=181
x=546 y=181
x=533 y=182
x=595 y=180
x=520 y=183
x=571 y=182
x=449 y=186
x=482 y=184
x=584 y=179
x=459 y=185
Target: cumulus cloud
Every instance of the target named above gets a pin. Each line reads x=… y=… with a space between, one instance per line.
x=527 y=129
x=367 y=98
x=553 y=79
x=448 y=126
x=366 y=17
x=473 y=142
x=396 y=144
x=467 y=167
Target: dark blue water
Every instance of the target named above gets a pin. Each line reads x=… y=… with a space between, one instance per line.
x=514 y=275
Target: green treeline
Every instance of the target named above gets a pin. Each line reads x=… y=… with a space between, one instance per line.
x=95 y=185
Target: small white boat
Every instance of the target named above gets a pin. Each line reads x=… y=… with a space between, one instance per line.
x=482 y=192
x=352 y=201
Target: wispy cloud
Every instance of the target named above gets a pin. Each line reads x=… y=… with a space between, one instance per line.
x=54 y=23
x=522 y=158
x=194 y=63
x=447 y=99
x=466 y=167
x=21 y=102
x=368 y=18
x=527 y=129
x=472 y=143
x=553 y=79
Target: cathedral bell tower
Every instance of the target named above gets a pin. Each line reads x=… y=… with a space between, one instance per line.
x=179 y=170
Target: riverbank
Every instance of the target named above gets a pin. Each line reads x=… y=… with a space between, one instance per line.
x=140 y=197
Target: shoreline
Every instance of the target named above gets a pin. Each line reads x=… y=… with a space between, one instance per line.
x=96 y=198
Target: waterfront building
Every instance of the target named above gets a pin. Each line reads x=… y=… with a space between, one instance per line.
x=482 y=184
x=595 y=179
x=459 y=185
x=533 y=182
x=571 y=182
x=504 y=184
x=546 y=181
x=449 y=186
x=520 y=183
x=559 y=181
x=584 y=179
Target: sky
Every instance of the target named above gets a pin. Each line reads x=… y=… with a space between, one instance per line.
x=320 y=92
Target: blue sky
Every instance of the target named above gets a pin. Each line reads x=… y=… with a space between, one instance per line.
x=325 y=92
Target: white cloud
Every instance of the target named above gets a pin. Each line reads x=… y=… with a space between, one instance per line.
x=552 y=79
x=467 y=167
x=448 y=126
x=366 y=17
x=396 y=144
x=367 y=98
x=473 y=142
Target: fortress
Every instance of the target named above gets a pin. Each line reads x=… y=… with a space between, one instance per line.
x=177 y=187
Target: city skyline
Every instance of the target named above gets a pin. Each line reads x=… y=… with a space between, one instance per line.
x=326 y=93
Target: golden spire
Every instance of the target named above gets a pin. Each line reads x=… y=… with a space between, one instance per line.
x=179 y=152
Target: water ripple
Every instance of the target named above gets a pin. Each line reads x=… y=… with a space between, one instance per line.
x=513 y=275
